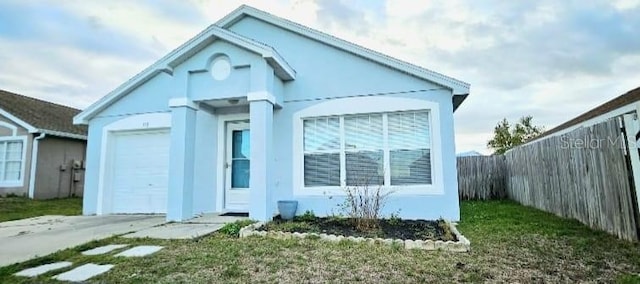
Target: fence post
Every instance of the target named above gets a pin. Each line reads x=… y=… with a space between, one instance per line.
x=632 y=130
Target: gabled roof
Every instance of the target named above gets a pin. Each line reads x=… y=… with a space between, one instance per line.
x=183 y=52
x=38 y=116
x=616 y=103
x=458 y=87
x=282 y=69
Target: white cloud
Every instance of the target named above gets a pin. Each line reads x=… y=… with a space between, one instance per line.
x=61 y=74
x=301 y=11
x=137 y=20
x=626 y=4
x=550 y=59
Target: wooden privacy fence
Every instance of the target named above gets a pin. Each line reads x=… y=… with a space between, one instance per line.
x=582 y=174
x=481 y=177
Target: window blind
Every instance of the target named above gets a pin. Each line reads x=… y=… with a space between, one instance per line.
x=409 y=148
x=322 y=151
x=364 y=150
x=361 y=143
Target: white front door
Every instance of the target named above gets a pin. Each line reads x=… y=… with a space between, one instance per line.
x=237 y=165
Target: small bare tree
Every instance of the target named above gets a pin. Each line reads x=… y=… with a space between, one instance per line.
x=365 y=199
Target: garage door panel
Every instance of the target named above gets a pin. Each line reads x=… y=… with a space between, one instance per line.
x=140 y=172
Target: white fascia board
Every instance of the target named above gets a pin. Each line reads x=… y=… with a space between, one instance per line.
x=18 y=121
x=62 y=134
x=166 y=64
x=458 y=87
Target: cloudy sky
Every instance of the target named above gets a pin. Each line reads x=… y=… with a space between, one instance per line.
x=550 y=59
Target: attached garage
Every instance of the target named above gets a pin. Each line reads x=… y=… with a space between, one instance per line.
x=138 y=171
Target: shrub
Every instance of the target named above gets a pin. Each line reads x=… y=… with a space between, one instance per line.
x=308 y=216
x=446 y=230
x=394 y=219
x=233 y=229
x=364 y=203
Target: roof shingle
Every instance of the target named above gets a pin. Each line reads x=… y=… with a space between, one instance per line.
x=41 y=114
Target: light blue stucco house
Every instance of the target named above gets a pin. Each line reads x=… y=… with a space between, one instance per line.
x=257 y=109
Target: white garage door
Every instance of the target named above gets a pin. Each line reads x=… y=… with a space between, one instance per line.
x=140 y=172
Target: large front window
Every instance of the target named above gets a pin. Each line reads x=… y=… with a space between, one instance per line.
x=367 y=149
x=11 y=161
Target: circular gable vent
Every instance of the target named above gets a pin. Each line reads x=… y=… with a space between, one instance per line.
x=220 y=68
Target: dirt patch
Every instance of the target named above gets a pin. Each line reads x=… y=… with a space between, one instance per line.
x=387 y=228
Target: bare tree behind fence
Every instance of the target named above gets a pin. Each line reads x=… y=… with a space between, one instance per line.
x=481 y=177
x=581 y=175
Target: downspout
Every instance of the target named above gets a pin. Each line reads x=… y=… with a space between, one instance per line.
x=34 y=161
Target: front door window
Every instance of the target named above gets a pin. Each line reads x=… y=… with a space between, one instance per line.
x=237 y=166
x=240 y=163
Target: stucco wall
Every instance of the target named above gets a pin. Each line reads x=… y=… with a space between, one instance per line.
x=200 y=84
x=323 y=73
x=55 y=174
x=431 y=206
x=22 y=190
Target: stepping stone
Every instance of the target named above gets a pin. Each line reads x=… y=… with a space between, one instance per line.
x=140 y=251
x=102 y=249
x=84 y=272
x=42 y=269
x=176 y=231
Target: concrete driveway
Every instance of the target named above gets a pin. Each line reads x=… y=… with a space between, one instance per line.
x=25 y=239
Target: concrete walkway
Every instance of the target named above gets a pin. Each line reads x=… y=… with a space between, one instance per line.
x=194 y=228
x=22 y=240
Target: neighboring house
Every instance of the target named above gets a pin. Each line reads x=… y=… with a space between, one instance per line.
x=623 y=104
x=257 y=109
x=41 y=151
x=472 y=153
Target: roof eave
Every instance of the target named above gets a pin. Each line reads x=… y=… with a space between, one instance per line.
x=30 y=128
x=458 y=99
x=62 y=134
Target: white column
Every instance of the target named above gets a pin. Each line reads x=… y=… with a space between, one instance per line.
x=181 y=166
x=261 y=135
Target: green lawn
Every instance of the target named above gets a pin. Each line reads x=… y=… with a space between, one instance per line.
x=510 y=243
x=14 y=208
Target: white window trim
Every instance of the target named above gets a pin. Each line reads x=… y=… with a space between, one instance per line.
x=19 y=182
x=345 y=106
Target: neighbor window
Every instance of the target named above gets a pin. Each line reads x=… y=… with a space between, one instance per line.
x=373 y=149
x=11 y=161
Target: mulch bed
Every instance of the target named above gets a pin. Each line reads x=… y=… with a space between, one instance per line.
x=387 y=229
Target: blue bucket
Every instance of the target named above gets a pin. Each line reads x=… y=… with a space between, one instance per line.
x=287 y=209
